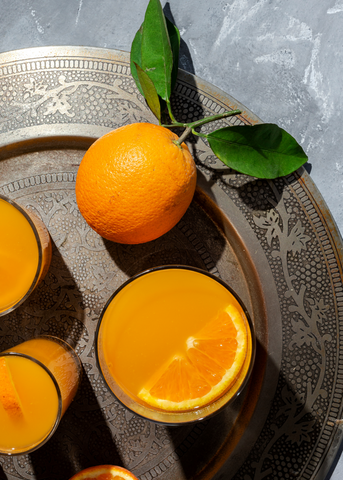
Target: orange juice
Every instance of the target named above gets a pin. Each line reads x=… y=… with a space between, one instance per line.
x=25 y=253
x=148 y=322
x=46 y=376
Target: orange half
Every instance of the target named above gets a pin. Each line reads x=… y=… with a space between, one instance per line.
x=213 y=361
x=104 y=472
x=9 y=397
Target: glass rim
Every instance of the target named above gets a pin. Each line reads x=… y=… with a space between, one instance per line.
x=40 y=255
x=184 y=417
x=25 y=451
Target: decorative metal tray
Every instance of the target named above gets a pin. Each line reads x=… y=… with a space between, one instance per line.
x=273 y=241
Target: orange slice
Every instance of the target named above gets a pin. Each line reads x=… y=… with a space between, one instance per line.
x=9 y=397
x=104 y=472
x=212 y=362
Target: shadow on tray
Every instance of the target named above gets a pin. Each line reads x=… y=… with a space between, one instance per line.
x=54 y=308
x=277 y=421
x=2 y=474
x=194 y=241
x=83 y=439
x=203 y=446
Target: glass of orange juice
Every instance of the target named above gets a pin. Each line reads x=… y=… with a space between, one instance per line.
x=25 y=254
x=38 y=380
x=175 y=344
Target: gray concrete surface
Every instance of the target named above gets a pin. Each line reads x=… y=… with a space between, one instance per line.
x=283 y=59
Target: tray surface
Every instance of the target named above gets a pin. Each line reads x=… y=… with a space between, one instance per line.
x=274 y=242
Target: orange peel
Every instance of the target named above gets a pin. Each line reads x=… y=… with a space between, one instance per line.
x=135 y=183
x=104 y=472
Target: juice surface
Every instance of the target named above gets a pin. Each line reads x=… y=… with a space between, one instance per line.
x=39 y=400
x=149 y=321
x=19 y=255
x=61 y=362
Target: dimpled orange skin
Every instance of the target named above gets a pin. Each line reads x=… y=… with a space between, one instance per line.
x=104 y=472
x=134 y=184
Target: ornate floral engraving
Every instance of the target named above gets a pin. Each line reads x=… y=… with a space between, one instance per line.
x=55 y=97
x=302 y=419
x=293 y=420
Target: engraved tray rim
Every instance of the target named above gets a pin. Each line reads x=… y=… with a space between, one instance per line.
x=44 y=135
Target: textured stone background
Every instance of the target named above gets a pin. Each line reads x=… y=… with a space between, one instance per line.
x=283 y=59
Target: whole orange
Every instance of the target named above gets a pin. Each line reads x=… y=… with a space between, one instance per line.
x=135 y=183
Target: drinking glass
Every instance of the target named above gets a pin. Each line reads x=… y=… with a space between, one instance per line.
x=128 y=345
x=44 y=374
x=25 y=254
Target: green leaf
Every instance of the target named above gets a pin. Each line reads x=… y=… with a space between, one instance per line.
x=156 y=52
x=174 y=36
x=262 y=151
x=149 y=92
x=136 y=57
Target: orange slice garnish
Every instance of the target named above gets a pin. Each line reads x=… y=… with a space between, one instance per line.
x=9 y=397
x=104 y=472
x=213 y=361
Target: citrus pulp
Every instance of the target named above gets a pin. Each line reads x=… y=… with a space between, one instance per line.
x=213 y=360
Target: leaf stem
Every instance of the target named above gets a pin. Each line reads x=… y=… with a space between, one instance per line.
x=213 y=118
x=170 y=112
x=191 y=126
x=184 y=136
x=198 y=134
